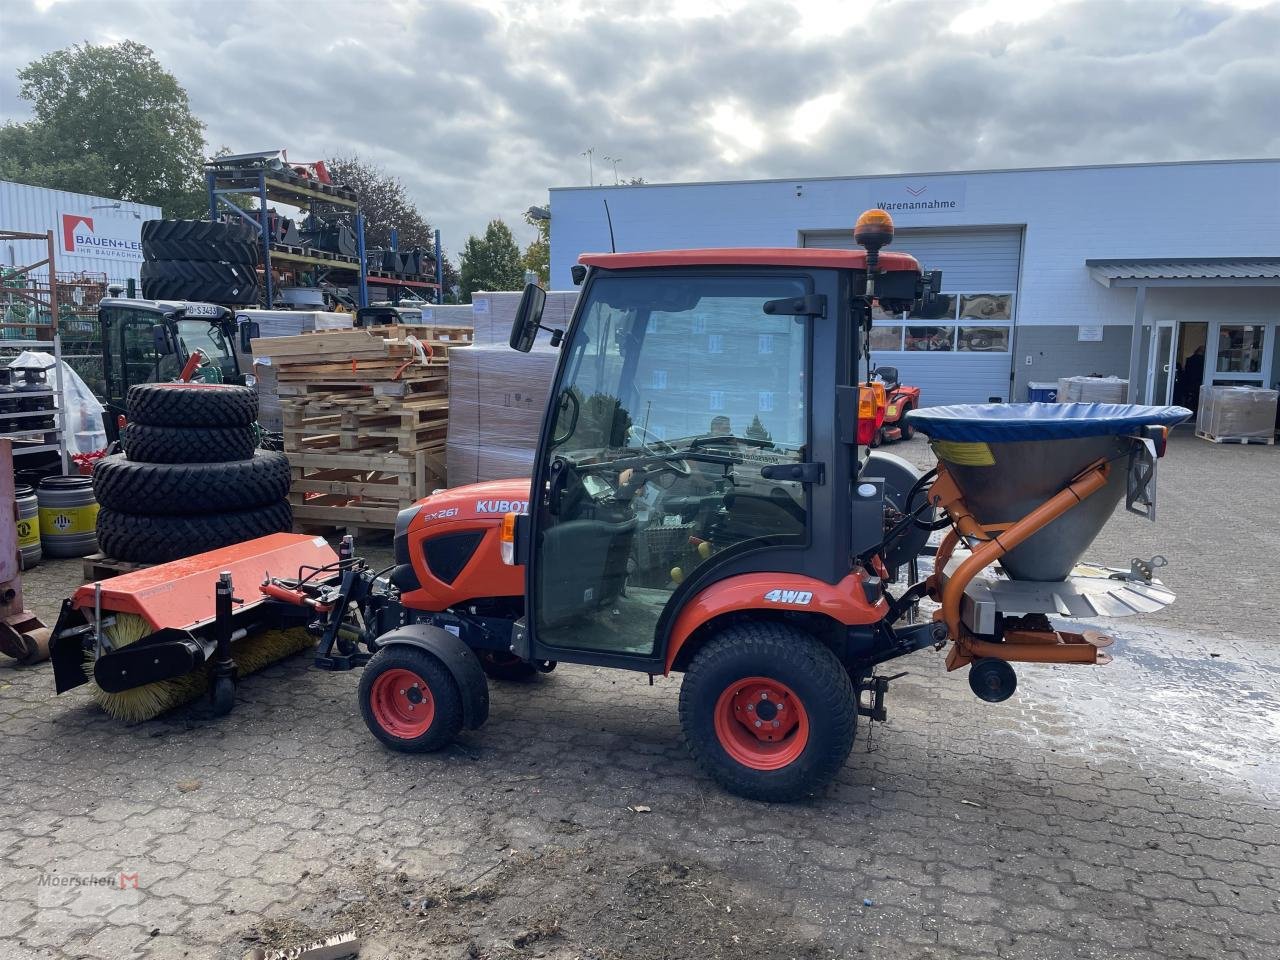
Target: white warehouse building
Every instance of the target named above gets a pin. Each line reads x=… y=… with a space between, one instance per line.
x=95 y=237
x=1126 y=269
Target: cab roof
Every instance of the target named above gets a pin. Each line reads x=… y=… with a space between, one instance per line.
x=804 y=257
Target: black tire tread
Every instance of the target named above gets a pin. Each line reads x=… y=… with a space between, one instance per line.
x=444 y=690
x=191 y=405
x=162 y=489
x=148 y=444
x=199 y=240
x=197 y=280
x=144 y=539
x=777 y=648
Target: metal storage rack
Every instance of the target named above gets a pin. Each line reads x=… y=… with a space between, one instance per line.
x=28 y=442
x=37 y=293
x=267 y=178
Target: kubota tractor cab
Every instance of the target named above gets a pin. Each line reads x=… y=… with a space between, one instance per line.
x=150 y=341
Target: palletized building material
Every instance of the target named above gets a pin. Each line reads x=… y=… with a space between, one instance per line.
x=496 y=400
x=1093 y=390
x=494 y=312
x=449 y=314
x=1237 y=413
x=290 y=323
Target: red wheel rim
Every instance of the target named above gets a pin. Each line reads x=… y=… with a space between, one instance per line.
x=761 y=723
x=402 y=703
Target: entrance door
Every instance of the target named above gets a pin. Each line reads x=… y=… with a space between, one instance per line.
x=1239 y=354
x=678 y=394
x=1160 y=370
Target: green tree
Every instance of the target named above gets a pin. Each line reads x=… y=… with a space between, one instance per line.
x=537 y=255
x=491 y=262
x=757 y=431
x=384 y=201
x=108 y=120
x=386 y=206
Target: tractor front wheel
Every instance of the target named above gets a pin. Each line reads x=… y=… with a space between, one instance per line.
x=409 y=700
x=768 y=711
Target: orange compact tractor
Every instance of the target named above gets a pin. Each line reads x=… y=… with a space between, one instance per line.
x=899 y=401
x=702 y=502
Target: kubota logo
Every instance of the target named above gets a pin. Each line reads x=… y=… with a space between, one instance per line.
x=70 y=221
x=502 y=506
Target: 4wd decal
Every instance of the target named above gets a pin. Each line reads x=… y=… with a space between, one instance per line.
x=797 y=597
x=502 y=506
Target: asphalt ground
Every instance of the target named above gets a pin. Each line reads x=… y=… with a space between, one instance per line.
x=1126 y=811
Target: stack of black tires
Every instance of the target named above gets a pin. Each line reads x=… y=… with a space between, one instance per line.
x=190 y=478
x=199 y=260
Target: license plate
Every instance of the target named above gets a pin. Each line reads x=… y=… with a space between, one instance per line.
x=203 y=310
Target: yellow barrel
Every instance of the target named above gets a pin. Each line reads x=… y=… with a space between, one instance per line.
x=28 y=525
x=68 y=516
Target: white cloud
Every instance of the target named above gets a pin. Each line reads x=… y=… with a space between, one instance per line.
x=480 y=107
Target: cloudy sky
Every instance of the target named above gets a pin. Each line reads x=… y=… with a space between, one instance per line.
x=481 y=106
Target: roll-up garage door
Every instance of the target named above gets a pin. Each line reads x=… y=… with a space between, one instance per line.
x=980 y=267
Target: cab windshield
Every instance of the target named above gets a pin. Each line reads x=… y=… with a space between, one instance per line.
x=198 y=334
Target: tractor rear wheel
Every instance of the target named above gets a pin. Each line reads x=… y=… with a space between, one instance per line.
x=768 y=711
x=409 y=700
x=908 y=429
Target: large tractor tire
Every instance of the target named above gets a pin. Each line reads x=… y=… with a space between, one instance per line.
x=174 y=489
x=768 y=711
x=147 y=444
x=191 y=405
x=200 y=240
x=227 y=283
x=144 y=539
x=409 y=700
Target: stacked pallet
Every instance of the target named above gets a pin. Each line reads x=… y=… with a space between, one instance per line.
x=365 y=415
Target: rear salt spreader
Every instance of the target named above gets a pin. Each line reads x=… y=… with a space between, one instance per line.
x=703 y=501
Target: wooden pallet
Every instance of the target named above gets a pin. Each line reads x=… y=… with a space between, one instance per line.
x=98 y=566
x=1263 y=441
x=359 y=489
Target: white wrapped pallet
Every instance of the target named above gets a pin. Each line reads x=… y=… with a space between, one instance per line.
x=495 y=311
x=1237 y=413
x=496 y=399
x=290 y=323
x=449 y=314
x=1092 y=390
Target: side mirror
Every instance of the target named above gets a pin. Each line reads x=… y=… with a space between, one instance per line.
x=528 y=318
x=249 y=331
x=161 y=340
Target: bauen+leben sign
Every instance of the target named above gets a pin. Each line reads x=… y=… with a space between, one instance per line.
x=110 y=238
x=932 y=195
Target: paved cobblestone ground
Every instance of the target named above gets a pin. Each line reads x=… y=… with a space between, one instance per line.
x=1131 y=811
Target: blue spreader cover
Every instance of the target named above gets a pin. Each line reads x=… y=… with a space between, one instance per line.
x=1006 y=422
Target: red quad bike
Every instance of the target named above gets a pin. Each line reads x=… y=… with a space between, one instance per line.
x=702 y=502
x=901 y=400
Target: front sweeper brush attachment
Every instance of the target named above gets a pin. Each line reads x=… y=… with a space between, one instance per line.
x=1027 y=488
x=161 y=637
